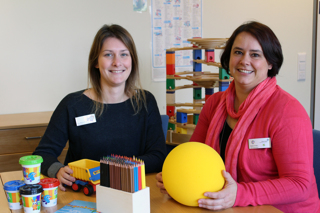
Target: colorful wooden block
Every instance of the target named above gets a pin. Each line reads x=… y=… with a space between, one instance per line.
x=197 y=93
x=197 y=101
x=182 y=117
x=223 y=74
x=195 y=118
x=209 y=91
x=197 y=54
x=170 y=84
x=197 y=67
x=209 y=53
x=170 y=57
x=181 y=130
x=170 y=97
x=223 y=86
x=190 y=119
x=171 y=69
x=170 y=111
x=171 y=126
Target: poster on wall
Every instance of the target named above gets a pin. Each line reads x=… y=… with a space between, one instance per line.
x=172 y=23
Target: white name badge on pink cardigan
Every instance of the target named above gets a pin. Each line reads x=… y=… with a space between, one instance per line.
x=86 y=119
x=259 y=143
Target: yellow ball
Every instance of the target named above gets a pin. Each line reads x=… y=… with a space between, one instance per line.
x=190 y=170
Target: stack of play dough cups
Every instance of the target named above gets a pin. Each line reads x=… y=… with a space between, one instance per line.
x=13 y=195
x=50 y=191
x=31 y=192
x=31 y=197
x=31 y=165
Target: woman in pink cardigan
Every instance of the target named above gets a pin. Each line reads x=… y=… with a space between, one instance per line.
x=263 y=134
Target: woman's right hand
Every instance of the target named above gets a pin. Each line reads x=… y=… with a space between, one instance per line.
x=64 y=177
x=160 y=183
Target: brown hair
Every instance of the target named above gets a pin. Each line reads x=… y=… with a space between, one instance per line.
x=133 y=87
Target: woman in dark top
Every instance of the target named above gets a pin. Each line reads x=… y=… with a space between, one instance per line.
x=114 y=116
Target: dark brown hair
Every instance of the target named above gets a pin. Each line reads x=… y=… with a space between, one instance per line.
x=269 y=42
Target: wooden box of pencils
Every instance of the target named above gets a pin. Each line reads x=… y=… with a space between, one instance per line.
x=115 y=201
x=122 y=186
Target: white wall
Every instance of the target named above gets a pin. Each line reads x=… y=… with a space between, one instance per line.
x=291 y=21
x=44 y=45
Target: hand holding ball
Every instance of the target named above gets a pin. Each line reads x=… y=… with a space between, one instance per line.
x=190 y=170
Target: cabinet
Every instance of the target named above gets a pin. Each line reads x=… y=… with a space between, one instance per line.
x=20 y=134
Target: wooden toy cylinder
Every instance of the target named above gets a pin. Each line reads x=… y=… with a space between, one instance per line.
x=223 y=74
x=170 y=84
x=223 y=86
x=171 y=126
x=195 y=118
x=197 y=67
x=170 y=111
x=182 y=117
x=209 y=91
x=197 y=93
x=171 y=69
x=197 y=54
x=209 y=53
x=171 y=97
x=170 y=57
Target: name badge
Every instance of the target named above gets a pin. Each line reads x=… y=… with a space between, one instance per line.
x=259 y=143
x=86 y=119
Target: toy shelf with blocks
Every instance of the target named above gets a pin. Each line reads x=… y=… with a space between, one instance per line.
x=182 y=121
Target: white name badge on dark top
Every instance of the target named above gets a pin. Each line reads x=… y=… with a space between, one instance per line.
x=86 y=119
x=259 y=143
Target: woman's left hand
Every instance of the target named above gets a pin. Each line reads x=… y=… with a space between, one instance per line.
x=222 y=199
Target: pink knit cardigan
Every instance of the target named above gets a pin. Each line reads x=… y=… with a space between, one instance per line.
x=282 y=175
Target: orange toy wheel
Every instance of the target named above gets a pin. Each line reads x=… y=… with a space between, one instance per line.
x=75 y=187
x=88 y=190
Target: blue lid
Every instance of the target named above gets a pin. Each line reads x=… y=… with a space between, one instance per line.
x=13 y=185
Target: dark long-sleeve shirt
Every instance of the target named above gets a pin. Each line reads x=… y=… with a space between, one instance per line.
x=116 y=131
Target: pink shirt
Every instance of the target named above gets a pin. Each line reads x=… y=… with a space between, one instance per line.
x=282 y=175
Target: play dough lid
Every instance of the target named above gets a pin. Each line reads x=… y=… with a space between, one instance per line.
x=13 y=185
x=49 y=182
x=30 y=160
x=30 y=189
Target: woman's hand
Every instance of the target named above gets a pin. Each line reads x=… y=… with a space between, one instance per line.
x=223 y=199
x=64 y=177
x=160 y=183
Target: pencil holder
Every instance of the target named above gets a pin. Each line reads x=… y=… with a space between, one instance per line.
x=114 y=201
